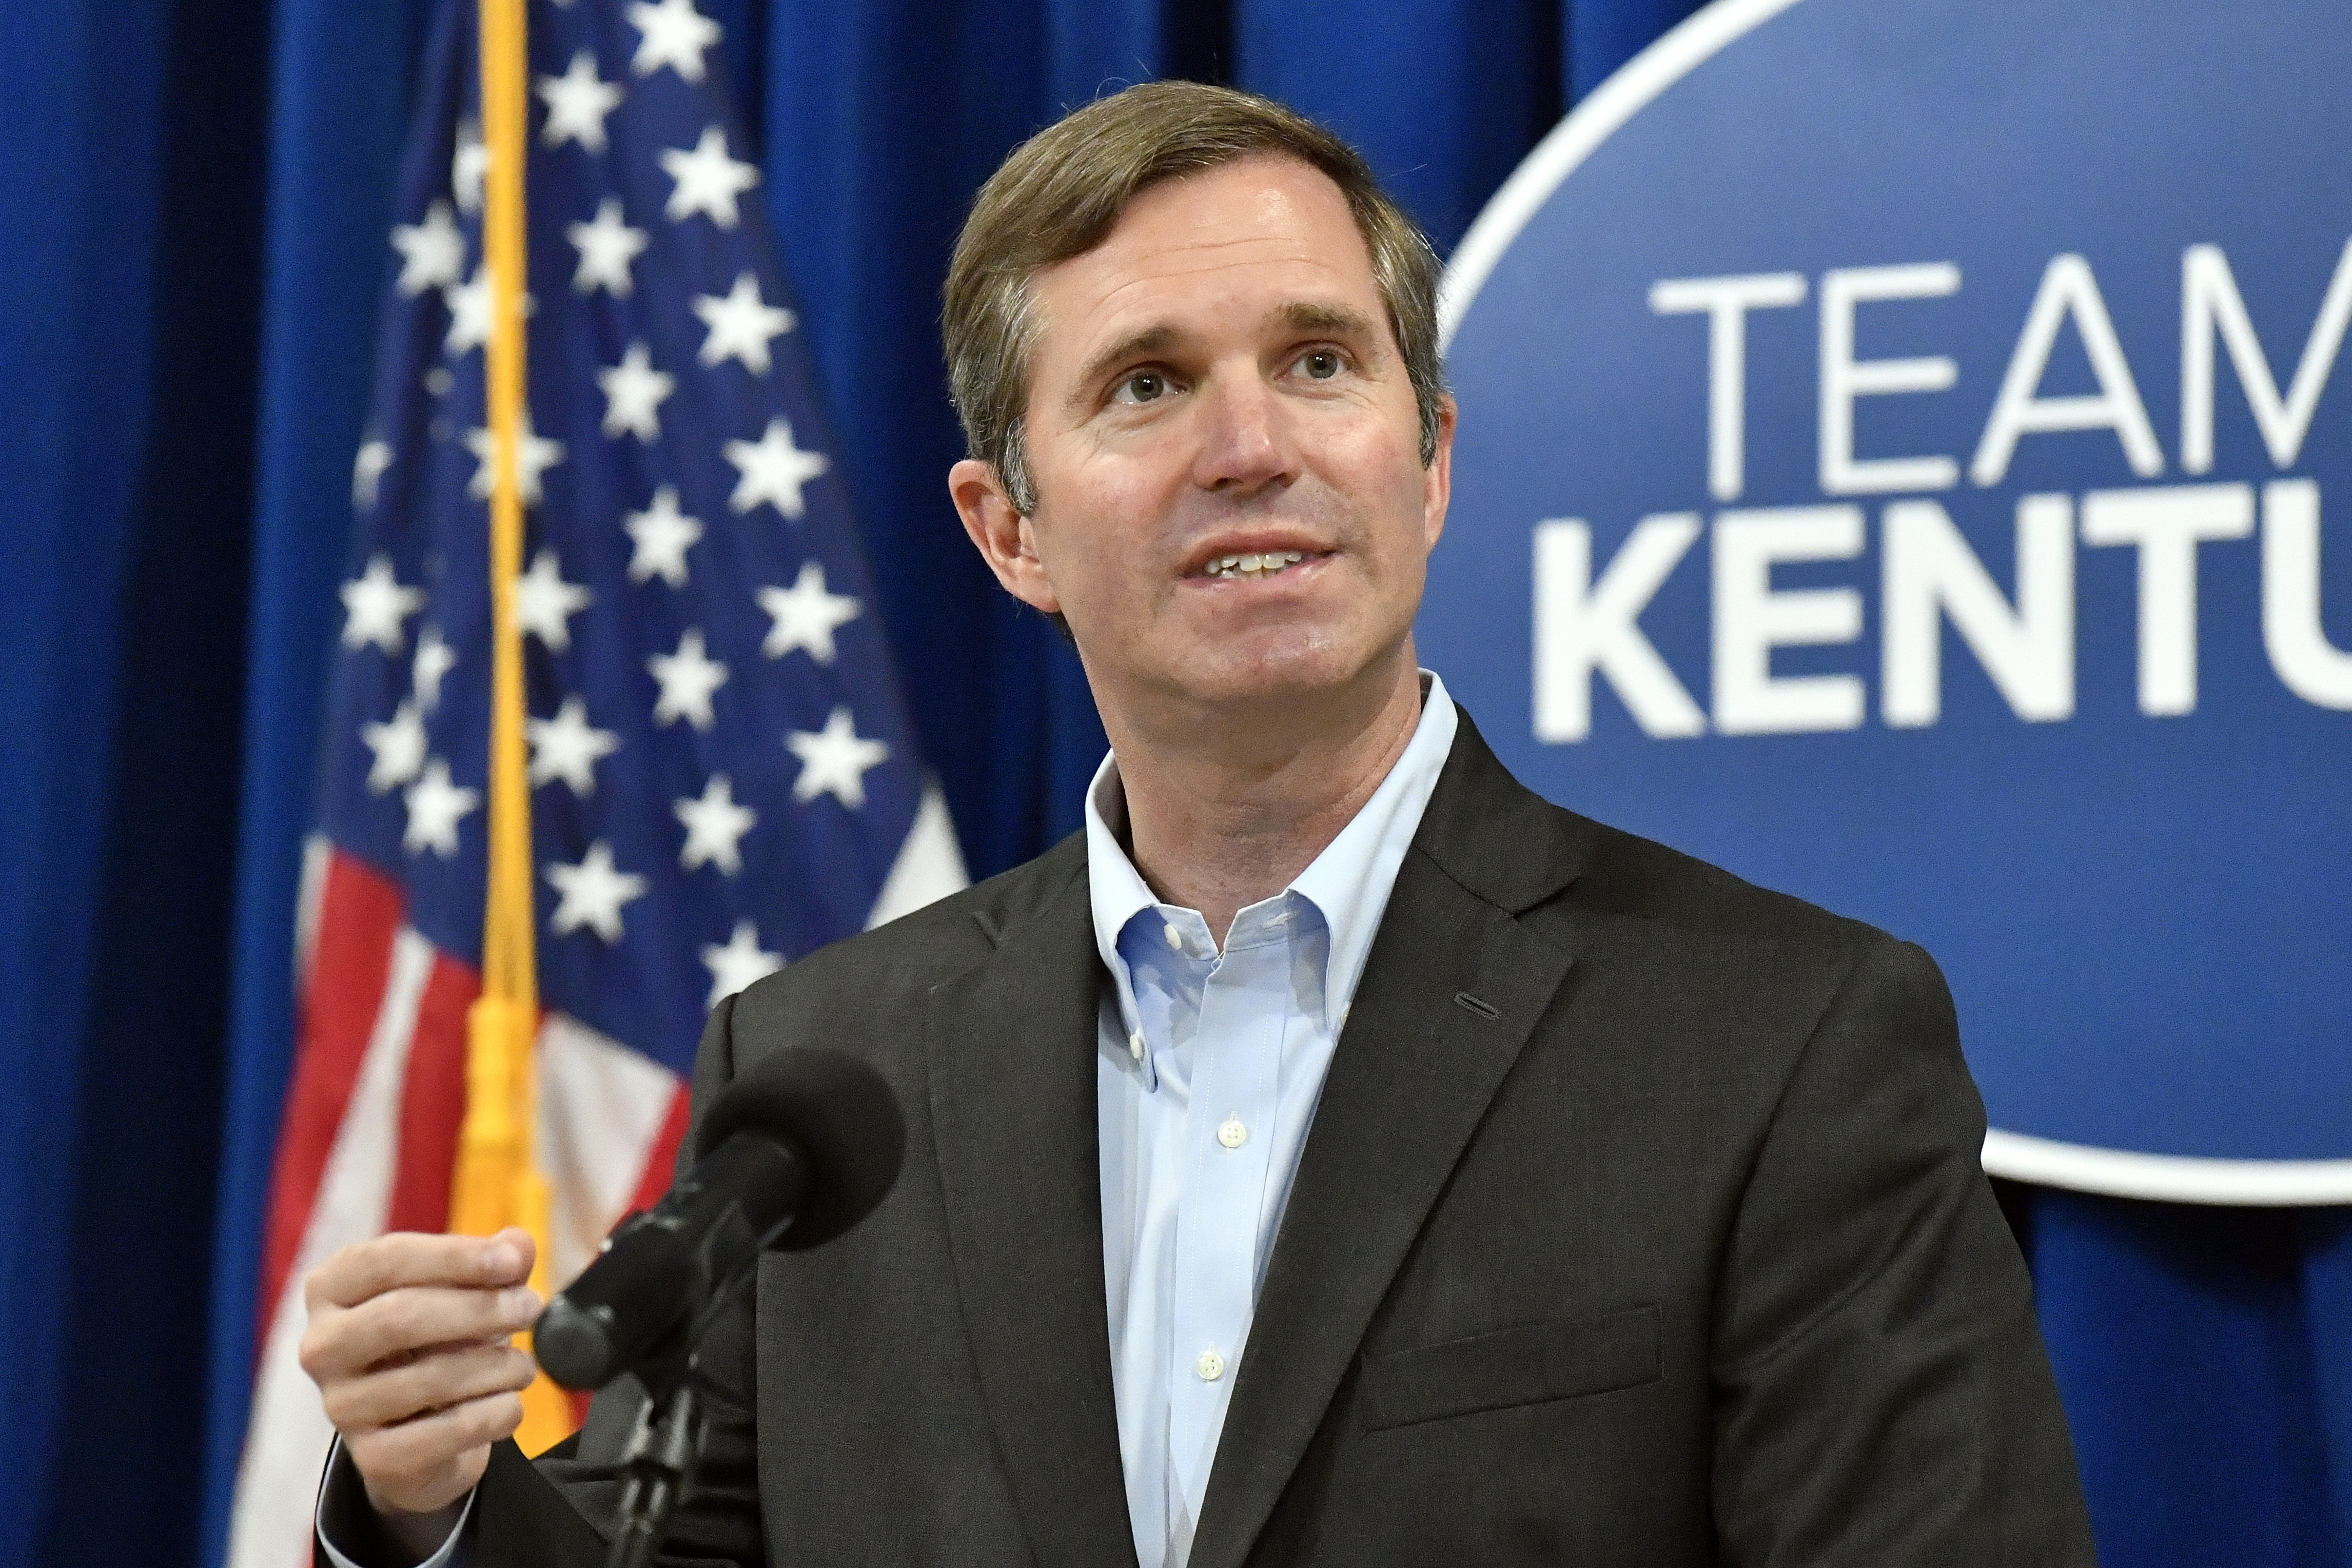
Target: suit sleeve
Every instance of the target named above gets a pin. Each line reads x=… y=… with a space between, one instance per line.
x=559 y=1512
x=1883 y=1396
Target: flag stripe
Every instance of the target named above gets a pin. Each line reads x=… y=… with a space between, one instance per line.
x=661 y=1162
x=318 y=854
x=928 y=865
x=433 y=1101
x=359 y=912
x=601 y=1109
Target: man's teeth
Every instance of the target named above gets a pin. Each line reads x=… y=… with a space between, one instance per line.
x=1236 y=567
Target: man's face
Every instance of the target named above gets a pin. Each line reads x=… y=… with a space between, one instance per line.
x=1217 y=379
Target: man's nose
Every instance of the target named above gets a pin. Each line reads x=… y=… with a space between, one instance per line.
x=1246 y=441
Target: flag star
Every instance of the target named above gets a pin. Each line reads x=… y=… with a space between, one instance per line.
x=469 y=166
x=741 y=324
x=537 y=455
x=375 y=606
x=577 y=103
x=435 y=658
x=663 y=535
x=773 y=470
x=708 y=181
x=593 y=893
x=435 y=806
x=715 y=825
x=835 y=759
x=432 y=253
x=607 y=245
x=737 y=963
x=399 y=748
x=367 y=471
x=470 y=314
x=806 y=615
x=687 y=678
x=634 y=393
x=544 y=602
x=568 y=747
x=671 y=34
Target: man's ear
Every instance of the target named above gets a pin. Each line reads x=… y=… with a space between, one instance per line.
x=1002 y=535
x=1437 y=480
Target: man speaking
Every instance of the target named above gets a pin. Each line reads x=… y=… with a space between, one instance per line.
x=1336 y=1153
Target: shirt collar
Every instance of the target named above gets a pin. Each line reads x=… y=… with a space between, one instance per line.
x=1348 y=883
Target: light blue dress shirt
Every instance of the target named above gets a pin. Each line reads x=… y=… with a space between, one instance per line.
x=1210 y=1068
x=1191 y=1203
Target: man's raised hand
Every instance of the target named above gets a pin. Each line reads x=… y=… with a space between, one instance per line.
x=410 y=1343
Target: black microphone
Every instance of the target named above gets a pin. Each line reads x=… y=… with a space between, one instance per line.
x=796 y=1150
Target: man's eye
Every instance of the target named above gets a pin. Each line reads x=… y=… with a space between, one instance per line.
x=1143 y=386
x=1320 y=364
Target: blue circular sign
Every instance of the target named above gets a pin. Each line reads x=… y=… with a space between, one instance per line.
x=1907 y=459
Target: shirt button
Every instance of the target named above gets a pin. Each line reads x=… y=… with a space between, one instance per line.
x=1175 y=938
x=1135 y=1044
x=1233 y=1134
x=1210 y=1366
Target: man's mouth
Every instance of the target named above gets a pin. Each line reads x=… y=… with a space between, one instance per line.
x=1251 y=568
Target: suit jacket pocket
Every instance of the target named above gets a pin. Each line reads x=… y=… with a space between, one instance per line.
x=1525 y=1365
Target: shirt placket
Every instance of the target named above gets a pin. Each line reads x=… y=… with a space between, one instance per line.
x=1228 y=1135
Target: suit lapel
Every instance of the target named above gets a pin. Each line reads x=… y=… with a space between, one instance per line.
x=1012 y=1054
x=1412 y=1076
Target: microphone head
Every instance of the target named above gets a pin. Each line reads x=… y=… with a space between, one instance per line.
x=574 y=1343
x=838 y=1111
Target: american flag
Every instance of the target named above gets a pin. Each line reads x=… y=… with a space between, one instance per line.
x=722 y=773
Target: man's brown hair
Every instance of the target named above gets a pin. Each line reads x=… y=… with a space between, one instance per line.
x=1062 y=191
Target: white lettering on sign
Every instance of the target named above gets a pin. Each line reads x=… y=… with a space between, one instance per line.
x=1726 y=301
x=2068 y=293
x=2210 y=304
x=2168 y=523
x=1927 y=572
x=1751 y=619
x=1582 y=627
x=1928 y=575
x=1844 y=378
x=2306 y=663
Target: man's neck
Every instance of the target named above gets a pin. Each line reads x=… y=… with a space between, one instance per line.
x=1223 y=814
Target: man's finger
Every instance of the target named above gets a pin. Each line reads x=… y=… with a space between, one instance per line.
x=425 y=1464
x=388 y=1262
x=393 y=1326
x=450 y=1375
x=526 y=1250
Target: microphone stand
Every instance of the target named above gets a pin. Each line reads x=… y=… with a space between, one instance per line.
x=657 y=1467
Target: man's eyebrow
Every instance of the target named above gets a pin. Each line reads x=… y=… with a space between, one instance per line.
x=1337 y=319
x=1152 y=339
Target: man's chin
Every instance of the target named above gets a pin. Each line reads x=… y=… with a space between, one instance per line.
x=1297 y=675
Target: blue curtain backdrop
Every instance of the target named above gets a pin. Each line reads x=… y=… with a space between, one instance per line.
x=195 y=196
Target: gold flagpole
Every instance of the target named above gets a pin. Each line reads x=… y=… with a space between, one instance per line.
x=498 y=1181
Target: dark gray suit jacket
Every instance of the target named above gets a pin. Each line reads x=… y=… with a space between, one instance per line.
x=1642 y=1222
